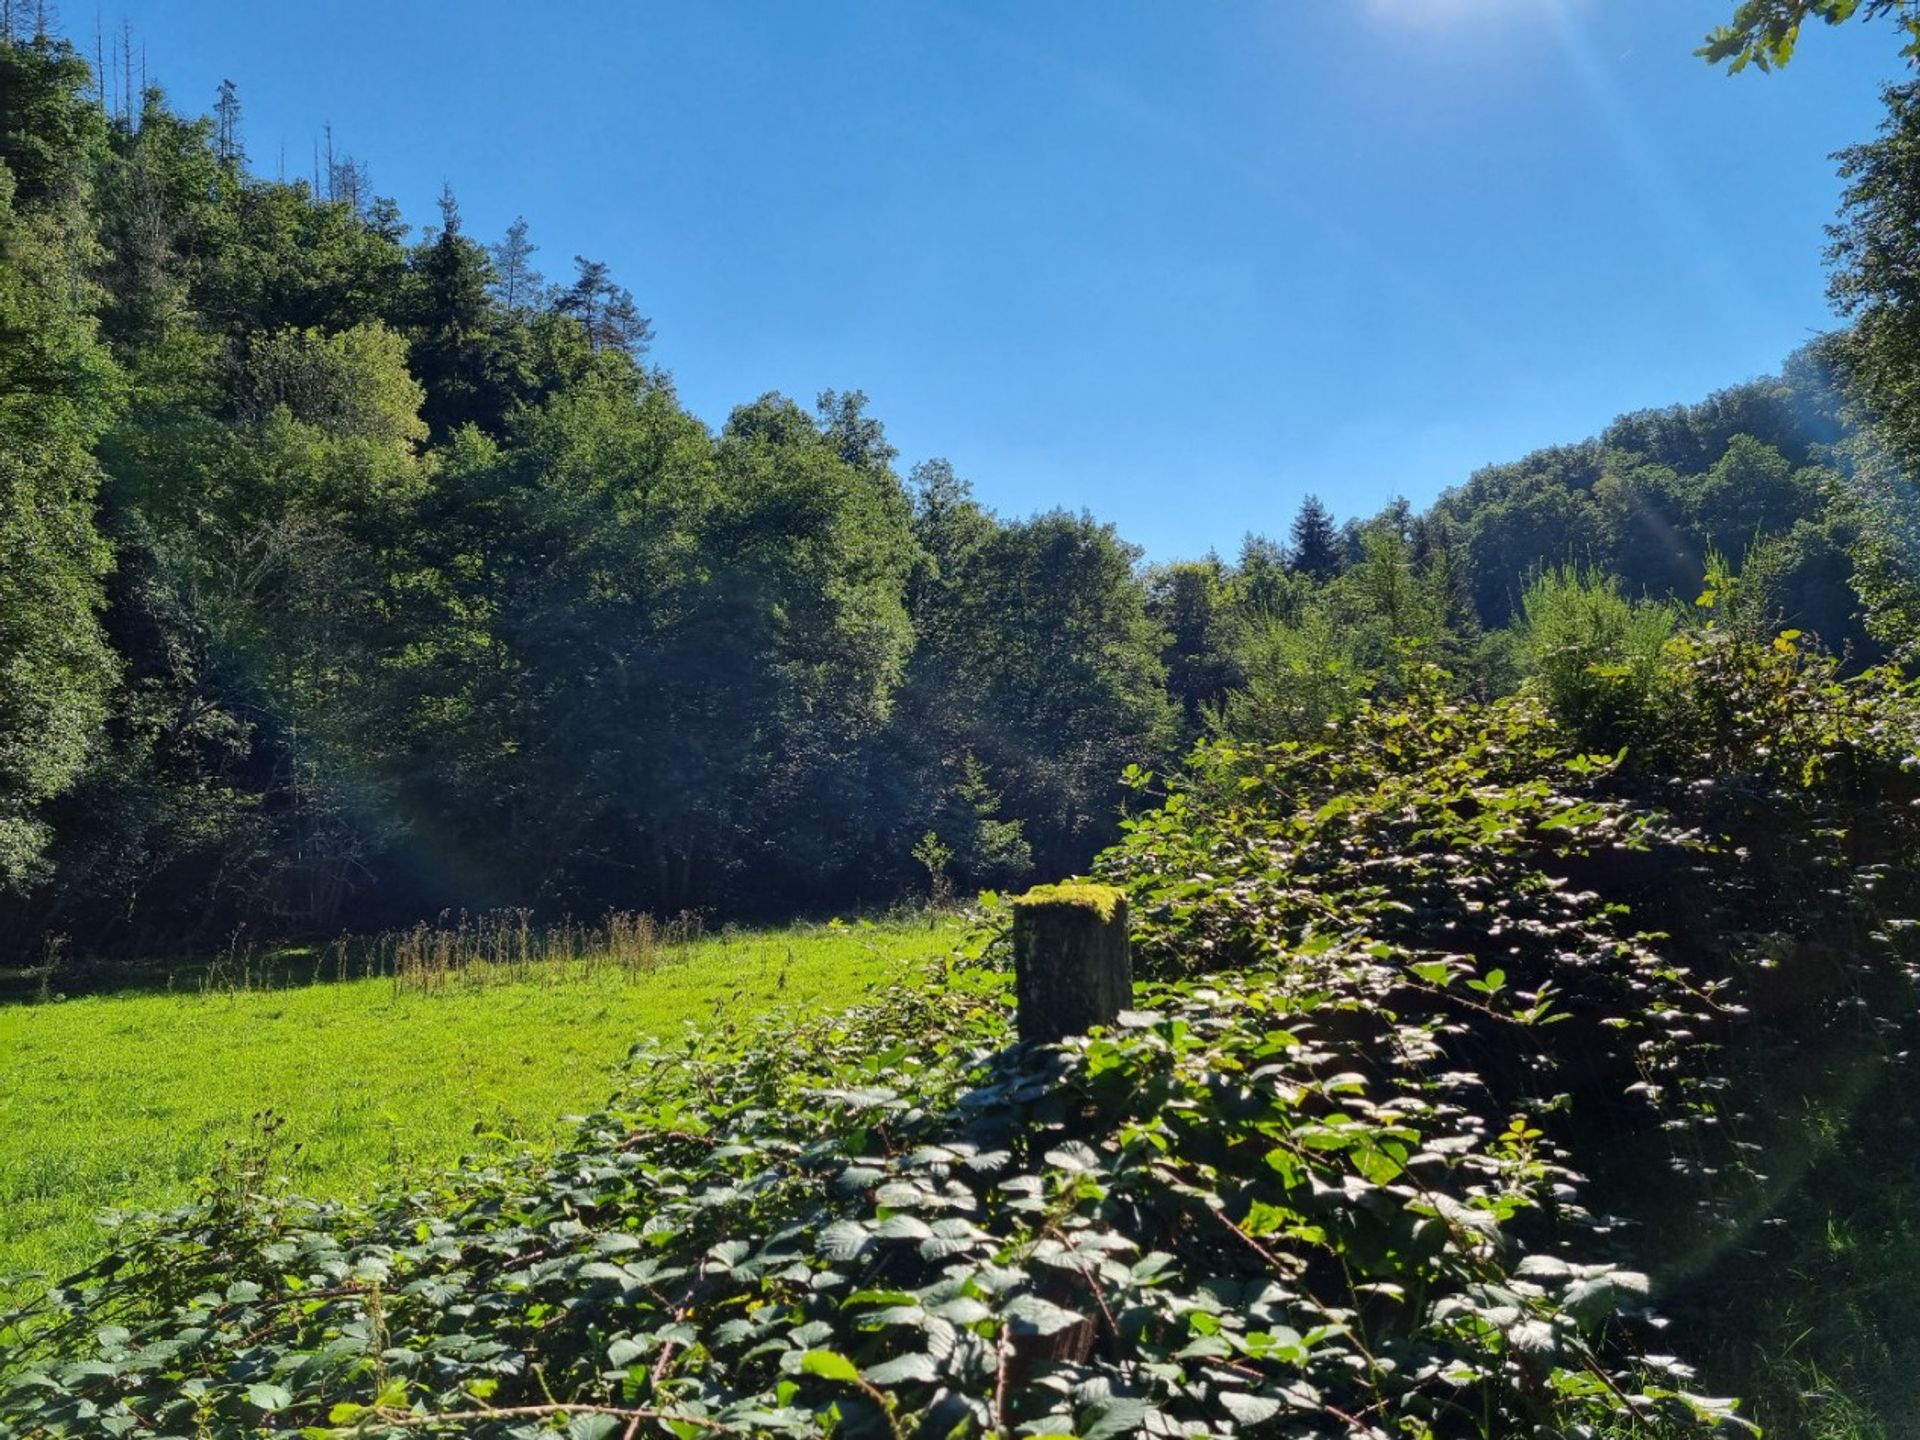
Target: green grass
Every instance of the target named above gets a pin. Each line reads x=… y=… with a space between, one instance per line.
x=128 y=1100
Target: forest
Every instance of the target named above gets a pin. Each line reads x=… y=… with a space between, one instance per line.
x=1521 y=893
x=358 y=574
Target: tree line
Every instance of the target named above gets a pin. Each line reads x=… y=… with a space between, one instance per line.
x=349 y=574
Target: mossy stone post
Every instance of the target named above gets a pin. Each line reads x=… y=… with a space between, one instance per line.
x=1071 y=967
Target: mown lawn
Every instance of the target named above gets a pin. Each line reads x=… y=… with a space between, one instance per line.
x=128 y=1100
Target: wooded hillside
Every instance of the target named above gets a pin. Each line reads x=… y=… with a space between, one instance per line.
x=356 y=573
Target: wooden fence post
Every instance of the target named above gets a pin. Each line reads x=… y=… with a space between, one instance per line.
x=1071 y=967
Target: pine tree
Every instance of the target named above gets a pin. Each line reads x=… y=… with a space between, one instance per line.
x=1316 y=544
x=517 y=284
x=605 y=309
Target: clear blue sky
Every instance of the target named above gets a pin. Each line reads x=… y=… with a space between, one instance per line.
x=1176 y=263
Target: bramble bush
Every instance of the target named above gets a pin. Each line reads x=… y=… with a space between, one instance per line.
x=1322 y=1182
x=1718 y=918
x=1215 y=1217
x=1753 y=858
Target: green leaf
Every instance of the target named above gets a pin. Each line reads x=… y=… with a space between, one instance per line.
x=844 y=1240
x=1074 y=1156
x=830 y=1365
x=1596 y=1297
x=1532 y=1337
x=1121 y=1415
x=903 y=1227
x=1030 y=1315
x=1249 y=1409
x=903 y=1369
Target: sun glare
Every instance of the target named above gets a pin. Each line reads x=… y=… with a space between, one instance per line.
x=1444 y=14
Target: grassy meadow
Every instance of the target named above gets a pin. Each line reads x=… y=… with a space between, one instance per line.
x=127 y=1100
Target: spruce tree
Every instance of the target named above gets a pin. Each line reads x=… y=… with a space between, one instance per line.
x=1316 y=544
x=454 y=348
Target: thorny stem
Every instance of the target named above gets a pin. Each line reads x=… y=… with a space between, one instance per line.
x=1000 y=1381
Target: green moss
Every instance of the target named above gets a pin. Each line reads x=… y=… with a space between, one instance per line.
x=1103 y=900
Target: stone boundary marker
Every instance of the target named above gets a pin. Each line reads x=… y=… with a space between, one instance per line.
x=1071 y=966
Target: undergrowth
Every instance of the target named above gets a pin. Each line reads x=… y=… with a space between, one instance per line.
x=1411 y=986
x=1203 y=1221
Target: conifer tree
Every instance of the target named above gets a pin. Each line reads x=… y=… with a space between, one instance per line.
x=226 y=111
x=605 y=309
x=516 y=283
x=454 y=349
x=1316 y=544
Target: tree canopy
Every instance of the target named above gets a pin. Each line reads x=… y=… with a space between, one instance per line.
x=1764 y=33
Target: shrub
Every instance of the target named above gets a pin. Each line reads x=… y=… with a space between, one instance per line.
x=1596 y=655
x=1222 y=1215
x=1721 y=921
x=1299 y=679
x=1320 y=1181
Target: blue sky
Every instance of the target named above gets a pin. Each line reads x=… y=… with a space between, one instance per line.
x=1175 y=263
